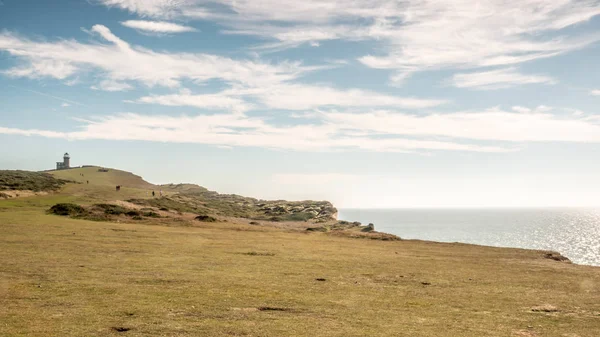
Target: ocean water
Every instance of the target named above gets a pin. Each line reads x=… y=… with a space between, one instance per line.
x=573 y=232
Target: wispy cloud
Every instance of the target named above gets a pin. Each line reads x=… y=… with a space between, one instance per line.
x=207 y=101
x=290 y=97
x=153 y=8
x=492 y=130
x=595 y=92
x=39 y=68
x=64 y=105
x=237 y=130
x=537 y=125
x=119 y=61
x=415 y=35
x=498 y=79
x=112 y=85
x=161 y=27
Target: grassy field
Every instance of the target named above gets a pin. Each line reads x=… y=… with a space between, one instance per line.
x=68 y=277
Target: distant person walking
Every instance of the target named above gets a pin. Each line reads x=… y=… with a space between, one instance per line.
x=153 y=193
x=87 y=182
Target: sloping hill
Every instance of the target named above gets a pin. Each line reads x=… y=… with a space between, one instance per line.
x=97 y=176
x=98 y=184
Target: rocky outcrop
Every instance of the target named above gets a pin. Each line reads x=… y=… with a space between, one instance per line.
x=556 y=257
x=369 y=228
x=321 y=211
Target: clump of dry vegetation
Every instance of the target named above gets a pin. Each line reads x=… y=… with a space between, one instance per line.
x=68 y=209
x=30 y=181
x=100 y=212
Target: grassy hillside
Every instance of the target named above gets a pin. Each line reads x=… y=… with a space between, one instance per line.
x=97 y=178
x=190 y=198
x=176 y=276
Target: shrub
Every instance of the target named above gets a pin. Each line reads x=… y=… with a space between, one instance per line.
x=206 y=218
x=151 y=214
x=25 y=180
x=137 y=217
x=254 y=223
x=301 y=216
x=112 y=209
x=67 y=209
x=132 y=213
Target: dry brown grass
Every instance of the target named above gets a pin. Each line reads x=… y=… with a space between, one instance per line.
x=179 y=277
x=65 y=277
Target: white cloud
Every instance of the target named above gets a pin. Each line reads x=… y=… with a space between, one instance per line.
x=498 y=79
x=521 y=109
x=303 y=97
x=119 y=61
x=206 y=101
x=39 y=68
x=64 y=105
x=237 y=130
x=492 y=130
x=112 y=85
x=157 y=26
x=290 y=97
x=595 y=92
x=488 y=125
x=415 y=35
x=154 y=8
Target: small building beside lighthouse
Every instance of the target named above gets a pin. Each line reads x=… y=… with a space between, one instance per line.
x=65 y=164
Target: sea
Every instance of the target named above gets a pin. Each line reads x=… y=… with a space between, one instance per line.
x=574 y=232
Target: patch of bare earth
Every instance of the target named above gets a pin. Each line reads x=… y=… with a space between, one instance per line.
x=20 y=194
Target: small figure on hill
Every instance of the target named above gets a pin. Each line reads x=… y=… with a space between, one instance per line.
x=118 y=188
x=87 y=182
x=153 y=193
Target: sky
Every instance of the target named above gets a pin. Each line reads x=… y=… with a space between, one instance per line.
x=368 y=104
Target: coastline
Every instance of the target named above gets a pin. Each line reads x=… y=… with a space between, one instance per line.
x=542 y=229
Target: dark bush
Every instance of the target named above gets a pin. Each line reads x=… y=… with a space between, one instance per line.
x=132 y=213
x=206 y=218
x=151 y=214
x=112 y=209
x=317 y=229
x=67 y=209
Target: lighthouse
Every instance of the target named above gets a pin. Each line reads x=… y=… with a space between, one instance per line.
x=66 y=163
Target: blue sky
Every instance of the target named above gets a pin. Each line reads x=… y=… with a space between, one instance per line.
x=411 y=103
